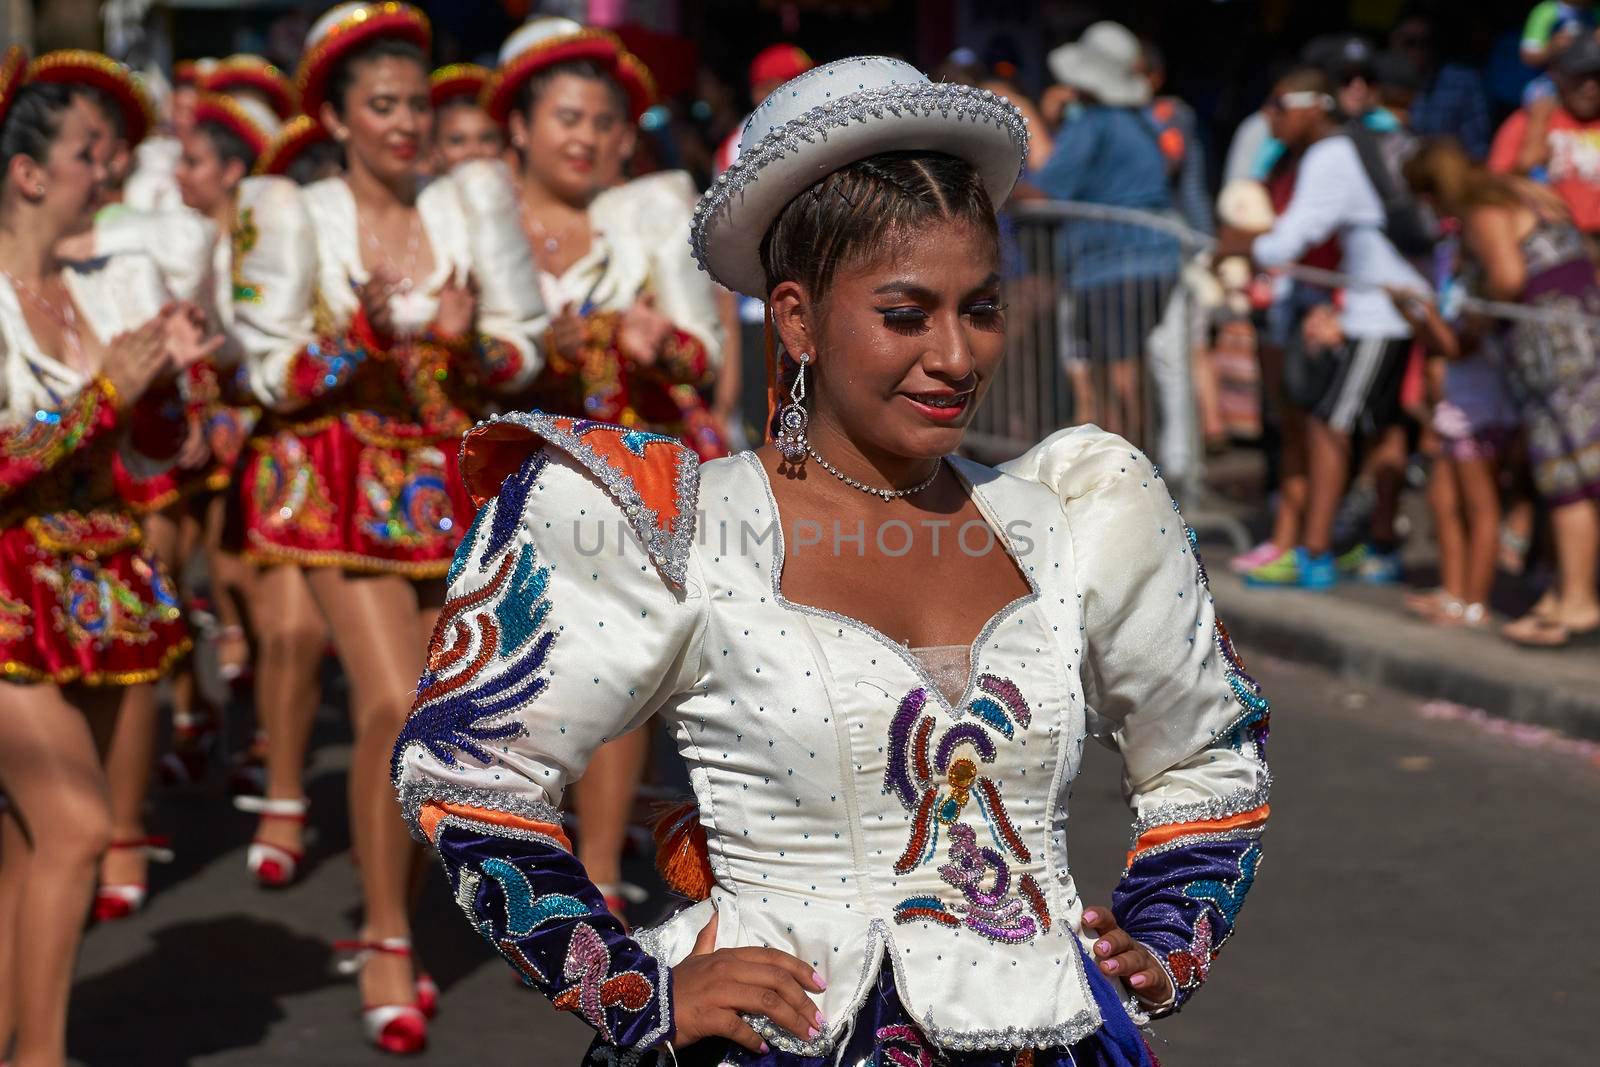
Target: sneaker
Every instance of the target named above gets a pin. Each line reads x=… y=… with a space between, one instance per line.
x=1258 y=556
x=1297 y=569
x=1366 y=563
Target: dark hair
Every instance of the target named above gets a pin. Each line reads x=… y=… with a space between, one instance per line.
x=228 y=144
x=344 y=72
x=457 y=102
x=1306 y=79
x=856 y=209
x=33 y=121
x=528 y=92
x=313 y=160
x=110 y=107
x=1154 y=58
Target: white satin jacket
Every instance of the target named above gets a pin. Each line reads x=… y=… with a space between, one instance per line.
x=854 y=817
x=299 y=258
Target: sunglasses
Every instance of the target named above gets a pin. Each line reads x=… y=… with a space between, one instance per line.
x=1302 y=98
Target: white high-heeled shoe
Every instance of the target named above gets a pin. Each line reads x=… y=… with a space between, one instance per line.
x=401 y=1029
x=273 y=866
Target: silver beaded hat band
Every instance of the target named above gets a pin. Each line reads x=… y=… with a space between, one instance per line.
x=828 y=118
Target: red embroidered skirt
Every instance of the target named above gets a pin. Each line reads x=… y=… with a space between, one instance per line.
x=354 y=491
x=82 y=601
x=227 y=429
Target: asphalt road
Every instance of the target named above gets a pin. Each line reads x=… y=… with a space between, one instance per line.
x=1427 y=897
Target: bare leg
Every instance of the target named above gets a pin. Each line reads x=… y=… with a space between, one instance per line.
x=1125 y=400
x=604 y=799
x=232 y=581
x=1480 y=498
x=1293 y=485
x=14 y=854
x=50 y=772
x=1085 y=404
x=373 y=620
x=1577 y=536
x=1329 y=456
x=1444 y=500
x=290 y=637
x=130 y=759
x=1387 y=466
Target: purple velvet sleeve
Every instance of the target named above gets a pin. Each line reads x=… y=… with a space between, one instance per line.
x=534 y=903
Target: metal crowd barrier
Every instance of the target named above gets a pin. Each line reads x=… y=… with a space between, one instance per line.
x=1102 y=325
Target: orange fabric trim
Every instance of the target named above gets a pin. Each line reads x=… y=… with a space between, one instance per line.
x=1160 y=835
x=434 y=812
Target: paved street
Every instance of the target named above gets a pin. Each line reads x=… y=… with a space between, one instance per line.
x=1427 y=898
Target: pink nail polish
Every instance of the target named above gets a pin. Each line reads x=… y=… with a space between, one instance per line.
x=818 y=981
x=764 y=1049
x=1104 y=948
x=1091 y=917
x=1137 y=981
x=813 y=1034
x=817 y=1018
x=1111 y=966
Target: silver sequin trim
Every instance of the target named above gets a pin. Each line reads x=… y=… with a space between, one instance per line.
x=1201 y=839
x=904 y=100
x=668 y=549
x=1211 y=808
x=414 y=794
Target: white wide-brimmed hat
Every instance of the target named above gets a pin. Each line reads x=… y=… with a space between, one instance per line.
x=828 y=118
x=1104 y=62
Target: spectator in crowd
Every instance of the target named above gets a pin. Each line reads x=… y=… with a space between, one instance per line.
x=1551 y=28
x=1179 y=371
x=1121 y=275
x=1452 y=100
x=1348 y=59
x=1352 y=377
x=1526 y=250
x=1468 y=431
x=1559 y=139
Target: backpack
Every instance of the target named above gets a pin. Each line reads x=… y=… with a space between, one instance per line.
x=1409 y=227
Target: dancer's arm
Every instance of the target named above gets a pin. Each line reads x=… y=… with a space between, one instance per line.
x=555 y=638
x=1171 y=695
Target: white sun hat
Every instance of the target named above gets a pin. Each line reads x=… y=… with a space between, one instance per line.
x=1104 y=61
x=832 y=116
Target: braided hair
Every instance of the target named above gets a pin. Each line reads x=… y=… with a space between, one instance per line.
x=856 y=210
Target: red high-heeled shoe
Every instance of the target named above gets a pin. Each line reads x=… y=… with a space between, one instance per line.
x=194 y=741
x=121 y=901
x=273 y=866
x=401 y=1029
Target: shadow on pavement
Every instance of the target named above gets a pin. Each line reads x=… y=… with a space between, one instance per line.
x=195 y=992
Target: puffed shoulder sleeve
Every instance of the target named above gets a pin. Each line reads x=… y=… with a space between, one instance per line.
x=512 y=318
x=290 y=357
x=1161 y=672
x=554 y=639
x=178 y=242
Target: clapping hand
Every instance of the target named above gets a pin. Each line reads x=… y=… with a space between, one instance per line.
x=643 y=331
x=458 y=307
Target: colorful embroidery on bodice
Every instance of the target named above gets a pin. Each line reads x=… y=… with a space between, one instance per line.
x=937 y=779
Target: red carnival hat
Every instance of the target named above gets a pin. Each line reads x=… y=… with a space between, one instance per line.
x=543 y=42
x=13 y=76
x=254 y=122
x=185 y=72
x=458 y=79
x=347 y=26
x=73 y=66
x=251 y=73
x=297 y=135
x=778 y=63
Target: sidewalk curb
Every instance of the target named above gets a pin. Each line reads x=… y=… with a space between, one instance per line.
x=1374 y=645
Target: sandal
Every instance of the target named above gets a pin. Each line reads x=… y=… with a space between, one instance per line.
x=273 y=866
x=1534 y=631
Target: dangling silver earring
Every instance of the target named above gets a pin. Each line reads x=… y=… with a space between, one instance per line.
x=792 y=417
